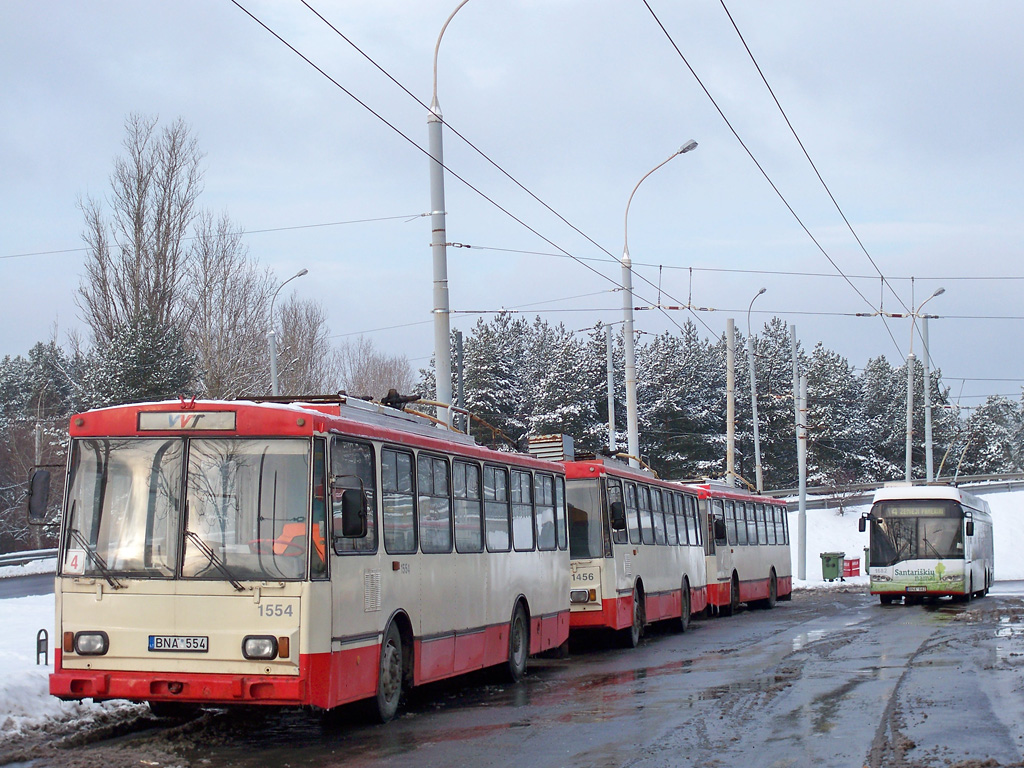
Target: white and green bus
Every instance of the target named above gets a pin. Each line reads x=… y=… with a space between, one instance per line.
x=929 y=541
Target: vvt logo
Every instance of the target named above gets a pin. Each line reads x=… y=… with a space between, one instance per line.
x=184 y=420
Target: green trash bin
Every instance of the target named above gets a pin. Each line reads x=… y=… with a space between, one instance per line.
x=832 y=565
x=867 y=560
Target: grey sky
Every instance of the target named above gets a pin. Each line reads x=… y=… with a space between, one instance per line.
x=911 y=111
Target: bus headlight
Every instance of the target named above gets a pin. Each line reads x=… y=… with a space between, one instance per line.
x=259 y=647
x=91 y=643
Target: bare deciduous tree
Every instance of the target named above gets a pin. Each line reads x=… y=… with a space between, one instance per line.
x=136 y=260
x=366 y=371
x=306 y=362
x=229 y=320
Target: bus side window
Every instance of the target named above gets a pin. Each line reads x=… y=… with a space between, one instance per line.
x=731 y=525
x=646 y=523
x=658 y=512
x=522 y=511
x=318 y=520
x=468 y=507
x=616 y=511
x=496 y=510
x=693 y=521
x=751 y=515
x=671 y=505
x=632 y=521
x=771 y=513
x=353 y=471
x=546 y=540
x=435 y=505
x=396 y=470
x=560 y=517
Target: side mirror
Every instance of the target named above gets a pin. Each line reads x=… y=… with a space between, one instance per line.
x=618 y=516
x=38 y=496
x=970 y=527
x=719 y=525
x=862 y=524
x=353 y=513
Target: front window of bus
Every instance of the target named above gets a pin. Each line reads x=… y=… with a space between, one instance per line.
x=584 y=499
x=247 y=509
x=929 y=530
x=123 y=508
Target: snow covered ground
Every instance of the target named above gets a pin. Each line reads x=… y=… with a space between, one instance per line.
x=25 y=701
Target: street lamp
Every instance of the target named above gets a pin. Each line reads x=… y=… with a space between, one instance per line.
x=438 y=247
x=272 y=335
x=632 y=428
x=753 y=394
x=910 y=378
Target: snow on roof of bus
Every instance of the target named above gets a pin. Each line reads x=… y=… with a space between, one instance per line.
x=902 y=491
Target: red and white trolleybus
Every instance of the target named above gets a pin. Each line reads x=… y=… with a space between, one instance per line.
x=635 y=548
x=746 y=544
x=298 y=554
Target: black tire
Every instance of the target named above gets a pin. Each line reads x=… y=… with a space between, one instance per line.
x=631 y=635
x=389 y=676
x=684 y=614
x=518 y=644
x=886 y=599
x=734 y=597
x=773 y=592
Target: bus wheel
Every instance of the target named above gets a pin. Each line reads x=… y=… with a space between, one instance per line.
x=389 y=676
x=518 y=644
x=734 y=597
x=684 y=614
x=886 y=599
x=773 y=592
x=632 y=634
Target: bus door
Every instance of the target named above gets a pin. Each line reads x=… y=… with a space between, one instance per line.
x=723 y=521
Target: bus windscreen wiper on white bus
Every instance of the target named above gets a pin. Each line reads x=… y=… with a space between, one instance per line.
x=215 y=561
x=98 y=561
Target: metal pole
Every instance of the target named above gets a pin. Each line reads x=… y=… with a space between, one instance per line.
x=275 y=390
x=730 y=402
x=438 y=246
x=632 y=428
x=460 y=362
x=759 y=479
x=929 y=472
x=910 y=412
x=801 y=458
x=611 y=390
x=272 y=334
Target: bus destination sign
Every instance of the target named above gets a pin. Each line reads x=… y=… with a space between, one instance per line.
x=181 y=421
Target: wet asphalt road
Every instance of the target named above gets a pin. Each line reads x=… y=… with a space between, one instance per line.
x=829 y=679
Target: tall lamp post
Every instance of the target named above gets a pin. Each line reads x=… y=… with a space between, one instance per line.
x=632 y=427
x=272 y=335
x=910 y=379
x=753 y=394
x=438 y=247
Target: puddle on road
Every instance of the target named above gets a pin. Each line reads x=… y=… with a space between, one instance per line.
x=806 y=638
x=1011 y=631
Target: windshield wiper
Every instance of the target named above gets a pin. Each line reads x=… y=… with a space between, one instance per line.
x=99 y=562
x=934 y=549
x=214 y=560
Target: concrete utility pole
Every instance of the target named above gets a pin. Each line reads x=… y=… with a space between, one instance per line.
x=753 y=396
x=632 y=427
x=730 y=401
x=929 y=468
x=801 y=458
x=910 y=380
x=611 y=390
x=439 y=246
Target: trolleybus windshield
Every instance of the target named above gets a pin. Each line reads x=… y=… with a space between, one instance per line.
x=928 y=530
x=244 y=515
x=586 y=538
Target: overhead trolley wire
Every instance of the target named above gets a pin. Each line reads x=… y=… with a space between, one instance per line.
x=764 y=173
